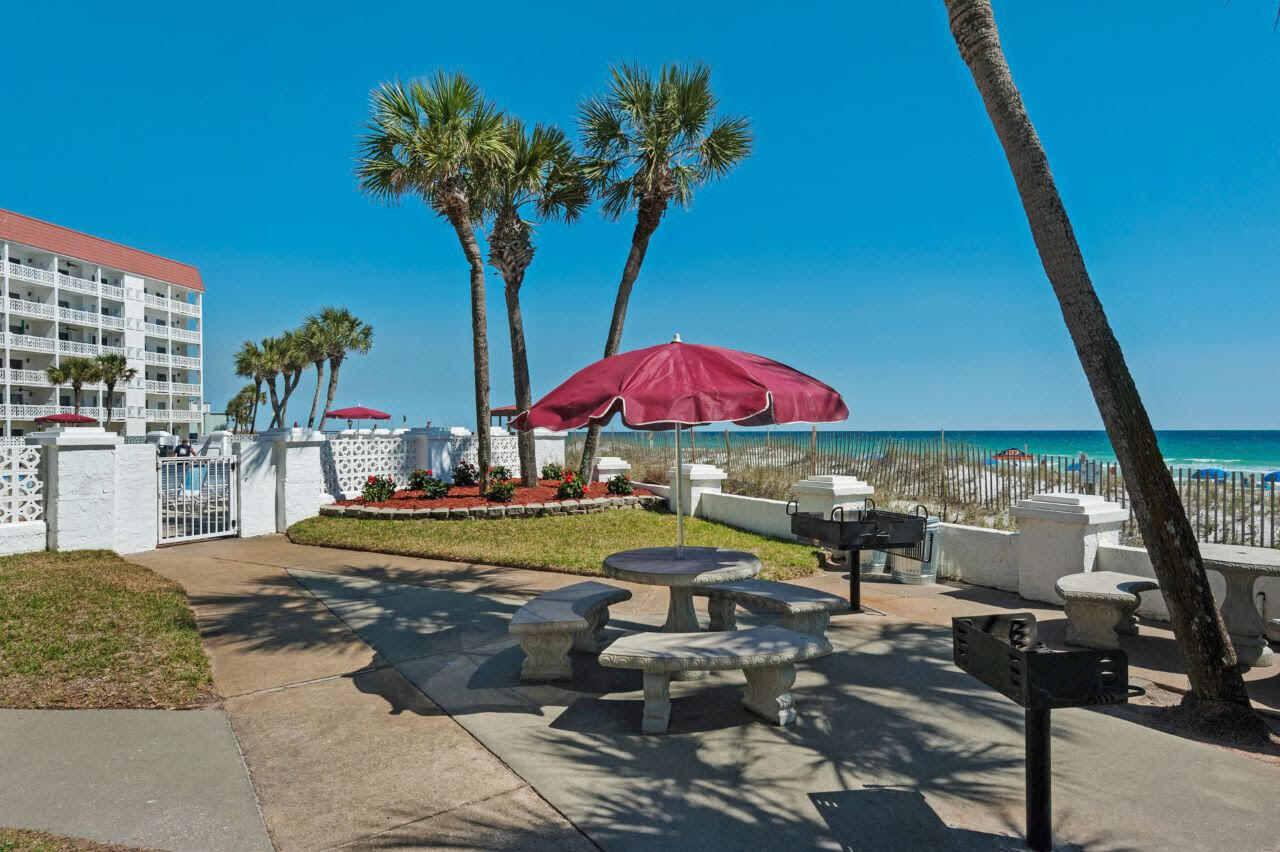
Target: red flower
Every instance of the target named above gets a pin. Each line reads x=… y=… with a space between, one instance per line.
x=371 y=478
x=568 y=476
x=430 y=472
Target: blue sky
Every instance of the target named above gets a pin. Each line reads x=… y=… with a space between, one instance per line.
x=874 y=239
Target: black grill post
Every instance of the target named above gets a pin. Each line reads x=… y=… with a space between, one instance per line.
x=1039 y=780
x=854 y=558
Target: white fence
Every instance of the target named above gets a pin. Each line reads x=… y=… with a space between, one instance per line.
x=349 y=460
x=21 y=488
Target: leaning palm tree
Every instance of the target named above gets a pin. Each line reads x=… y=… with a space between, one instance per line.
x=344 y=334
x=112 y=370
x=1217 y=688
x=285 y=358
x=650 y=142
x=544 y=180
x=315 y=339
x=437 y=139
x=251 y=364
x=76 y=372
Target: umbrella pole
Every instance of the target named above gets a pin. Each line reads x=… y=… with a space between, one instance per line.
x=679 y=489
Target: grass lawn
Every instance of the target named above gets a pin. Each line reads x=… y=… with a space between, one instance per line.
x=574 y=544
x=15 y=839
x=88 y=629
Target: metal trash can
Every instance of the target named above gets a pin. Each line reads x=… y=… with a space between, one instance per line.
x=915 y=572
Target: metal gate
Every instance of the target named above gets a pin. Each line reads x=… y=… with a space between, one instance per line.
x=197 y=498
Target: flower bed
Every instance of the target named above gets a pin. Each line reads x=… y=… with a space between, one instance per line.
x=466 y=501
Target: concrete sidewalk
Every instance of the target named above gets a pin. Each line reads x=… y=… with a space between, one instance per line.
x=159 y=779
x=894 y=748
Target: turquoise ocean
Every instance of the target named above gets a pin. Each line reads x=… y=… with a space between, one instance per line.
x=1256 y=451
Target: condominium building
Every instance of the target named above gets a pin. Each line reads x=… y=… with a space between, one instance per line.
x=70 y=294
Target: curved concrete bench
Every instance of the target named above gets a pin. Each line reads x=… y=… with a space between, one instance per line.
x=553 y=623
x=766 y=655
x=1100 y=604
x=803 y=609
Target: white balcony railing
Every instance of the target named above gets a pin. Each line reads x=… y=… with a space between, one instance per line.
x=110 y=292
x=30 y=309
x=187 y=308
x=25 y=377
x=80 y=285
x=187 y=388
x=28 y=412
x=109 y=321
x=29 y=341
x=158 y=387
x=76 y=316
x=156 y=301
x=161 y=358
x=75 y=347
x=186 y=335
x=107 y=349
x=184 y=361
x=30 y=273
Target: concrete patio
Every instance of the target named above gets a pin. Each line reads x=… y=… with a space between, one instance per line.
x=377 y=702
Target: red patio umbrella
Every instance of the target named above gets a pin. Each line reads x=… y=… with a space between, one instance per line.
x=66 y=418
x=357 y=412
x=681 y=384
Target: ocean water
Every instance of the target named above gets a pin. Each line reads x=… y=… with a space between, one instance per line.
x=1257 y=451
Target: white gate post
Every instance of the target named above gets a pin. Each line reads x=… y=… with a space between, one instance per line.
x=1059 y=534
x=299 y=476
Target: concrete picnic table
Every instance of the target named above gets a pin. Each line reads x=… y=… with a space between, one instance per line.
x=1241 y=566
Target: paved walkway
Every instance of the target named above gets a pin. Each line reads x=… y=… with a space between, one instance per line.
x=159 y=779
x=344 y=665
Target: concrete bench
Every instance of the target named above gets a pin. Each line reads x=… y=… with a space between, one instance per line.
x=803 y=609
x=552 y=624
x=1100 y=605
x=766 y=655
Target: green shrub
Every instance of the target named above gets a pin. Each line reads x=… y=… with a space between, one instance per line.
x=418 y=479
x=501 y=491
x=426 y=482
x=499 y=471
x=552 y=470
x=620 y=485
x=570 y=488
x=465 y=474
x=377 y=489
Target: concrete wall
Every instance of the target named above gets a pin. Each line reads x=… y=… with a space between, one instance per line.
x=257 y=474
x=755 y=514
x=24 y=537
x=136 y=522
x=977 y=555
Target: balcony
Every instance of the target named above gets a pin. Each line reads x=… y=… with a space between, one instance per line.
x=25 y=377
x=185 y=388
x=161 y=358
x=109 y=321
x=80 y=317
x=75 y=347
x=30 y=309
x=29 y=342
x=185 y=361
x=171 y=332
x=110 y=292
x=80 y=285
x=176 y=306
x=30 y=273
x=159 y=387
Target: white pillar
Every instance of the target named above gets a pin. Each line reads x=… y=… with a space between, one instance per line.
x=1059 y=534
x=821 y=494
x=607 y=467
x=548 y=446
x=695 y=479
x=299 y=476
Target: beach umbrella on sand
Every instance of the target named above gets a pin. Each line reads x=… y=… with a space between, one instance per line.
x=357 y=413
x=678 y=385
x=1210 y=473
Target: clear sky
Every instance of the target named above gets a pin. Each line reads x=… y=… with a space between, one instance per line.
x=874 y=239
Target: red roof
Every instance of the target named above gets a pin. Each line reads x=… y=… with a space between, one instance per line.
x=64 y=241
x=503 y=410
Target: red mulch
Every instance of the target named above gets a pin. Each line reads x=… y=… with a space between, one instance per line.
x=466 y=496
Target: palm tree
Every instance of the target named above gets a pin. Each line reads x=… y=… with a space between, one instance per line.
x=315 y=340
x=1217 y=688
x=285 y=358
x=544 y=178
x=240 y=407
x=75 y=372
x=112 y=370
x=651 y=141
x=251 y=364
x=437 y=139
x=344 y=333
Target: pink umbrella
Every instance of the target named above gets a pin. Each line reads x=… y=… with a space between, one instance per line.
x=66 y=418
x=681 y=384
x=357 y=412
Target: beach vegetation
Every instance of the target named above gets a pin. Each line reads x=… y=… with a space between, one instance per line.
x=75 y=372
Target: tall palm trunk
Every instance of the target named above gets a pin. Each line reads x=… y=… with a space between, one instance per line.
x=520 y=374
x=479 y=339
x=275 y=402
x=315 y=398
x=1216 y=683
x=75 y=398
x=253 y=409
x=106 y=408
x=335 y=362
x=647 y=219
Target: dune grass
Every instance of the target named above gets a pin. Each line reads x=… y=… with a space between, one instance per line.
x=88 y=629
x=573 y=544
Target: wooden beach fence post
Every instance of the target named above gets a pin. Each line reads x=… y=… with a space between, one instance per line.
x=726 y=451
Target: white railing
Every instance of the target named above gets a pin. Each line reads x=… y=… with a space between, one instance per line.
x=80 y=285
x=197 y=498
x=155 y=357
x=25 y=377
x=187 y=308
x=77 y=316
x=21 y=411
x=157 y=387
x=109 y=321
x=348 y=462
x=106 y=349
x=185 y=387
x=31 y=309
x=155 y=329
x=110 y=292
x=30 y=273
x=186 y=335
x=184 y=361
x=75 y=347
x=21 y=489
x=156 y=301
x=30 y=341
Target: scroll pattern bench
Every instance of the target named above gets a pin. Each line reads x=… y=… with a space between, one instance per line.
x=766 y=655
x=803 y=609
x=552 y=624
x=1100 y=605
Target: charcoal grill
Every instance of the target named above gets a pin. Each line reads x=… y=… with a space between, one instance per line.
x=869 y=528
x=1003 y=652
